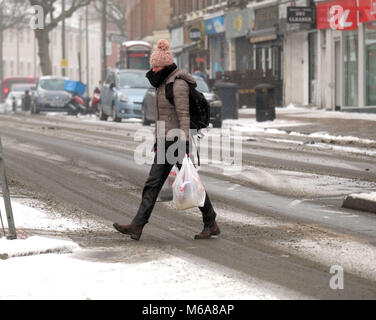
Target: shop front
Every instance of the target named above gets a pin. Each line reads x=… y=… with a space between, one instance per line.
x=367 y=15
x=194 y=41
x=177 y=45
x=238 y=26
x=215 y=32
x=267 y=47
x=352 y=41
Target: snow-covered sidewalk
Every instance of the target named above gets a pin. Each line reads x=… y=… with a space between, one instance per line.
x=248 y=125
x=131 y=271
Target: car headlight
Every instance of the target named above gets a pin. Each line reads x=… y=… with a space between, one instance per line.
x=123 y=98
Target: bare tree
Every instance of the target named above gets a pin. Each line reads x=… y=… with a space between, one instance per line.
x=12 y=14
x=115 y=13
x=52 y=16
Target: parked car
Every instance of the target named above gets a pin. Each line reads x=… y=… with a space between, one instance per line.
x=15 y=98
x=50 y=95
x=149 y=112
x=122 y=95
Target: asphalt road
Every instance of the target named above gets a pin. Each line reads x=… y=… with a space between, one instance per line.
x=89 y=165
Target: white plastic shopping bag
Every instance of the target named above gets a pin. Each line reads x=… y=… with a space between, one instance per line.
x=172 y=176
x=188 y=190
x=166 y=193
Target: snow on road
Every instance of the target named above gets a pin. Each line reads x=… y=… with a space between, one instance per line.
x=132 y=271
x=366 y=196
x=4 y=108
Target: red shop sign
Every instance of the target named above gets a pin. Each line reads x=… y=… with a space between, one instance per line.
x=337 y=15
x=367 y=10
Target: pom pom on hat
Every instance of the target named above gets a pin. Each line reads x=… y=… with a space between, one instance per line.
x=162 y=56
x=163 y=45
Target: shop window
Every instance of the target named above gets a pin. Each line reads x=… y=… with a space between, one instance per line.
x=267 y=60
x=312 y=45
x=259 y=59
x=276 y=62
x=218 y=60
x=244 y=54
x=370 y=55
x=350 y=67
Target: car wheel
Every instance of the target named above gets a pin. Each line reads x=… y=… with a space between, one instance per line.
x=102 y=116
x=115 y=118
x=70 y=112
x=217 y=123
x=145 y=121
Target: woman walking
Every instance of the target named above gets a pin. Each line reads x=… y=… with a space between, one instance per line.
x=168 y=80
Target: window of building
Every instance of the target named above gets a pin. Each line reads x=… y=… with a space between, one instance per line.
x=350 y=67
x=277 y=62
x=11 y=71
x=258 y=58
x=312 y=48
x=370 y=56
x=267 y=59
x=21 y=35
x=244 y=54
x=28 y=35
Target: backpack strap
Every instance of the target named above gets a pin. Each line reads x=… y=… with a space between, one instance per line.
x=169 y=89
x=169 y=92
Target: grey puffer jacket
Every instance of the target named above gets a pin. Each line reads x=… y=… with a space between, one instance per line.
x=174 y=116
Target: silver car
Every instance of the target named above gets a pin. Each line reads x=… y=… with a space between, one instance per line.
x=50 y=95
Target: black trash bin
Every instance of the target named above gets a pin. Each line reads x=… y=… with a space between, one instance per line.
x=265 y=102
x=228 y=91
x=26 y=103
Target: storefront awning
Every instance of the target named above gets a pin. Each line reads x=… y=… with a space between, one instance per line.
x=215 y=26
x=184 y=47
x=238 y=24
x=263 y=35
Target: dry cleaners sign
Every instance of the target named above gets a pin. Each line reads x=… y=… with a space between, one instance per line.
x=300 y=15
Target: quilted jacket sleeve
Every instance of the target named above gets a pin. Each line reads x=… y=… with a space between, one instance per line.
x=181 y=99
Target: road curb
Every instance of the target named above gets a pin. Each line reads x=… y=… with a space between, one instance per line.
x=34 y=246
x=359 y=202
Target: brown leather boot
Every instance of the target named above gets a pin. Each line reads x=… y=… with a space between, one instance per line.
x=207 y=233
x=131 y=230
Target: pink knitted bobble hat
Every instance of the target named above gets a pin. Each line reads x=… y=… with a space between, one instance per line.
x=162 y=56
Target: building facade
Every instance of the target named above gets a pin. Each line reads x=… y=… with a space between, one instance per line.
x=147 y=20
x=236 y=40
x=252 y=42
x=20 y=58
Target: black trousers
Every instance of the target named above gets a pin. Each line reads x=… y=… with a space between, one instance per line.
x=157 y=177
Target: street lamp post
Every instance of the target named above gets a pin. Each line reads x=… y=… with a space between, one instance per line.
x=8 y=207
x=63 y=67
x=87 y=51
x=104 y=40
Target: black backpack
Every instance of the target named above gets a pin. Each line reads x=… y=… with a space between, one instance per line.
x=199 y=108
